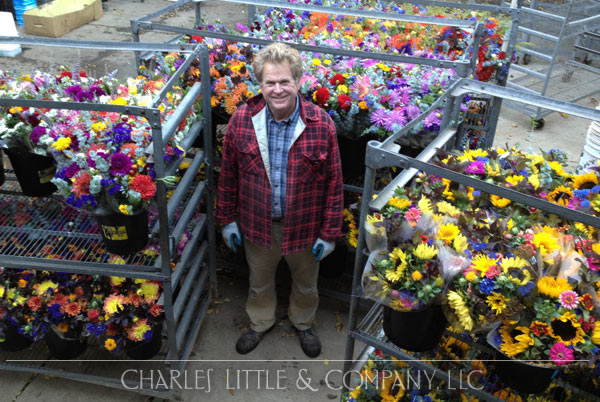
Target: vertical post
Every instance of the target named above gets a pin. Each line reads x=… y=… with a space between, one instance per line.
x=208 y=166
x=164 y=238
x=197 y=12
x=135 y=34
x=359 y=261
x=476 y=43
x=251 y=14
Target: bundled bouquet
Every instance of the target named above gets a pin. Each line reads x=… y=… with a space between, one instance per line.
x=427 y=250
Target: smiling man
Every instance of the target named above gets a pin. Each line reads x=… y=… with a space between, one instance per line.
x=281 y=190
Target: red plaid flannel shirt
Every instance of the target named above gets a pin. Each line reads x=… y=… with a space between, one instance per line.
x=314 y=193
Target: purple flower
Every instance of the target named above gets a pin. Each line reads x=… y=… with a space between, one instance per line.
x=476 y=167
x=413 y=111
x=396 y=117
x=379 y=117
x=119 y=164
x=329 y=27
x=70 y=170
x=432 y=120
x=36 y=133
x=241 y=27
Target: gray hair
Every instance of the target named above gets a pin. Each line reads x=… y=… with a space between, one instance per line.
x=278 y=53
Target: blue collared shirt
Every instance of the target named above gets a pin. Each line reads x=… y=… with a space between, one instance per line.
x=280 y=139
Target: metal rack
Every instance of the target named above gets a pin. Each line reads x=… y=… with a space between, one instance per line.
x=188 y=288
x=384 y=154
x=547 y=32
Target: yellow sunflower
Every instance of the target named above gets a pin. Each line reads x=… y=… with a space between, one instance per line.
x=497 y=302
x=514 y=340
x=400 y=203
x=585 y=181
x=392 y=387
x=561 y=195
x=552 y=287
x=546 y=242
x=567 y=329
x=482 y=263
x=459 y=306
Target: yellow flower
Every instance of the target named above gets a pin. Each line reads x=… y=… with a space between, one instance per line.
x=416 y=276
x=492 y=169
x=515 y=262
x=558 y=168
x=44 y=286
x=400 y=203
x=534 y=180
x=482 y=263
x=114 y=303
x=363 y=105
x=99 y=126
x=510 y=224
x=514 y=179
x=110 y=344
x=448 y=191
x=470 y=276
x=327 y=62
x=444 y=207
x=425 y=205
x=596 y=335
x=552 y=287
x=513 y=345
x=425 y=252
x=123 y=209
x=457 y=303
x=497 y=302
x=150 y=290
x=567 y=329
x=470 y=155
x=316 y=62
x=138 y=330
x=383 y=67
x=448 y=232
x=343 y=88
x=546 y=242
x=499 y=201
x=119 y=101
x=596 y=248
x=561 y=195
x=585 y=181
x=62 y=143
x=460 y=243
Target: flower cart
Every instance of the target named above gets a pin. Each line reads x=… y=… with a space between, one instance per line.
x=117 y=147
x=563 y=336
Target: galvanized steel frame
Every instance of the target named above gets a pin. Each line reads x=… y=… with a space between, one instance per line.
x=192 y=301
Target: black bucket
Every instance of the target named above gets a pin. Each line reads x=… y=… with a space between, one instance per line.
x=217 y=119
x=522 y=376
x=2 y=175
x=63 y=347
x=13 y=340
x=416 y=331
x=352 y=154
x=33 y=172
x=145 y=350
x=334 y=265
x=124 y=234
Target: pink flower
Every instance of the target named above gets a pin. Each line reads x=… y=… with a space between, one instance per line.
x=493 y=272
x=413 y=215
x=568 y=299
x=560 y=354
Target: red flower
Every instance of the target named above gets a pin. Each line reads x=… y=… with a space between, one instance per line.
x=337 y=79
x=587 y=302
x=71 y=309
x=136 y=299
x=93 y=314
x=82 y=74
x=156 y=310
x=321 y=96
x=144 y=185
x=59 y=298
x=345 y=102
x=66 y=74
x=34 y=303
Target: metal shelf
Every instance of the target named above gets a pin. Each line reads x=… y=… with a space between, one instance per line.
x=44 y=233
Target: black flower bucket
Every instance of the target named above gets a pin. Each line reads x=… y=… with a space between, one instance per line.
x=334 y=265
x=63 y=347
x=352 y=154
x=124 y=234
x=145 y=350
x=522 y=376
x=217 y=118
x=2 y=175
x=13 y=340
x=416 y=331
x=34 y=172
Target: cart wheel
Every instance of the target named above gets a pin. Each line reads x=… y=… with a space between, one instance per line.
x=538 y=124
x=526 y=59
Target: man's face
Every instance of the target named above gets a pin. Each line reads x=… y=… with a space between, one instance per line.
x=279 y=89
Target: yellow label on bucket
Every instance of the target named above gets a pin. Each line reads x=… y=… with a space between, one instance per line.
x=46 y=174
x=115 y=232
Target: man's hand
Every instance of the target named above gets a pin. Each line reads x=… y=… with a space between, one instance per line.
x=232 y=235
x=322 y=248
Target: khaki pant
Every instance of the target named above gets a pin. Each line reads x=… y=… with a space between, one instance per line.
x=262 y=299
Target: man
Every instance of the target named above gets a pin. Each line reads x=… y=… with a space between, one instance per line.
x=280 y=187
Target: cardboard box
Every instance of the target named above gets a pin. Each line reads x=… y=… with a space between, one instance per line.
x=58 y=17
